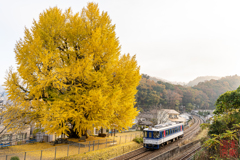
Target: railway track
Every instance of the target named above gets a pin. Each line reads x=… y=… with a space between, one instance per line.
x=189 y=154
x=145 y=154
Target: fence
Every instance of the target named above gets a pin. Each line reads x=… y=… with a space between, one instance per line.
x=72 y=148
x=15 y=140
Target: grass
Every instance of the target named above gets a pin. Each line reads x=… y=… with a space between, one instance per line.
x=90 y=138
x=202 y=134
x=26 y=147
x=106 y=153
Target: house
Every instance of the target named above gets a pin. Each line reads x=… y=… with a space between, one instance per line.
x=208 y=117
x=12 y=137
x=186 y=116
x=143 y=123
x=159 y=116
x=173 y=116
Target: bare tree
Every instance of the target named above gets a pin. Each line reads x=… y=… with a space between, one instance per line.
x=11 y=118
x=160 y=115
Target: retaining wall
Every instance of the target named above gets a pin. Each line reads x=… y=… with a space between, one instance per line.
x=173 y=152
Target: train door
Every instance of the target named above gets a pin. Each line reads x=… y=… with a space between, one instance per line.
x=163 y=135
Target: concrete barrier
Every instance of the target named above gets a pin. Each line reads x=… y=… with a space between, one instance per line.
x=173 y=152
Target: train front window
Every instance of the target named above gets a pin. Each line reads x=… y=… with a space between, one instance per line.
x=150 y=134
x=145 y=134
x=156 y=134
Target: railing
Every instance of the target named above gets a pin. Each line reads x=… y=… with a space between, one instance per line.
x=72 y=148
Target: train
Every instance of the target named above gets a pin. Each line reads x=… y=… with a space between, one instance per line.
x=159 y=135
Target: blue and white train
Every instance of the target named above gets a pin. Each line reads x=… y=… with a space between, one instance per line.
x=154 y=137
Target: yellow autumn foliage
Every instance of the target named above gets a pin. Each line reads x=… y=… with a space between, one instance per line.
x=71 y=75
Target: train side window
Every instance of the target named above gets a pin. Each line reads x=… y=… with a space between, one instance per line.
x=156 y=134
x=150 y=134
x=166 y=132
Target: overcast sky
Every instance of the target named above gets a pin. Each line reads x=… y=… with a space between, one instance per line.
x=177 y=40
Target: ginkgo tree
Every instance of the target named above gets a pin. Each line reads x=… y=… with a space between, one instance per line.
x=71 y=75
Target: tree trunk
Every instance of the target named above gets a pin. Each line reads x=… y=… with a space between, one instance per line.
x=73 y=134
x=85 y=134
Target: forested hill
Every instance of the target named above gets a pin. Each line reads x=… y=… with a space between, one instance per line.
x=201 y=79
x=214 y=88
x=155 y=79
x=203 y=95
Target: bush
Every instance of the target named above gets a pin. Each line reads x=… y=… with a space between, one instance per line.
x=19 y=143
x=138 y=140
x=15 y=158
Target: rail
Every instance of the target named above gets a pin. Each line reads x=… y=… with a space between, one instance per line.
x=143 y=153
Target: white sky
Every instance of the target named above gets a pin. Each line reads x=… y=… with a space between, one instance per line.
x=177 y=40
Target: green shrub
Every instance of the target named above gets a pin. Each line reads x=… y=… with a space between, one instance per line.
x=138 y=140
x=15 y=158
x=19 y=143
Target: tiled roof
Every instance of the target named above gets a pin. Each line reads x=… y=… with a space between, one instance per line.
x=180 y=119
x=170 y=111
